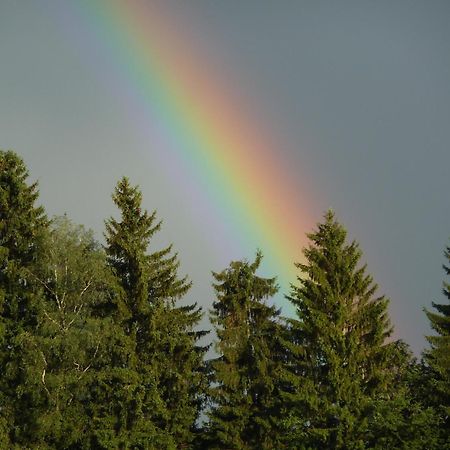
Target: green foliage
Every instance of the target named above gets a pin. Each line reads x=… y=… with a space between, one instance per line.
x=168 y=362
x=342 y=368
x=438 y=356
x=22 y=224
x=99 y=351
x=246 y=406
x=401 y=420
x=21 y=227
x=64 y=349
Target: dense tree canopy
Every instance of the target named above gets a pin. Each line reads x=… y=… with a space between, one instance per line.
x=246 y=407
x=64 y=351
x=22 y=224
x=345 y=374
x=438 y=355
x=100 y=350
x=168 y=362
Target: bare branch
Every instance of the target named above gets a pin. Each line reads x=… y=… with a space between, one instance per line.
x=49 y=289
x=90 y=364
x=51 y=319
x=43 y=375
x=88 y=284
x=76 y=310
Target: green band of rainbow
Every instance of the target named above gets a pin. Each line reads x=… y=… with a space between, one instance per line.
x=215 y=140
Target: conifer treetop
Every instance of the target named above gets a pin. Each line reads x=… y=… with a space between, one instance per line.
x=438 y=356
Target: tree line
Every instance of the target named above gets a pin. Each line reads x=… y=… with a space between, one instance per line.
x=99 y=351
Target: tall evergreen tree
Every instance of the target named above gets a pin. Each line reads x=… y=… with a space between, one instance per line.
x=246 y=408
x=168 y=360
x=22 y=224
x=342 y=369
x=438 y=355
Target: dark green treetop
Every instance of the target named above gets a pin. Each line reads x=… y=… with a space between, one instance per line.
x=22 y=224
x=245 y=402
x=438 y=355
x=341 y=361
x=168 y=362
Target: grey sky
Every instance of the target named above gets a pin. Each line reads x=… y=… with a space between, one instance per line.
x=361 y=90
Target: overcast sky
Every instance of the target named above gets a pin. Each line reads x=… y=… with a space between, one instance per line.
x=361 y=91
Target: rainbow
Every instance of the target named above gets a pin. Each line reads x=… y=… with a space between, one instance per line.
x=230 y=153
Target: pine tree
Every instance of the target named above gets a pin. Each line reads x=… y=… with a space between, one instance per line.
x=22 y=224
x=245 y=399
x=438 y=356
x=342 y=368
x=168 y=360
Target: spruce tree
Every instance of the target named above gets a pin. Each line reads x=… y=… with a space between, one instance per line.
x=438 y=355
x=22 y=224
x=168 y=361
x=342 y=369
x=245 y=401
